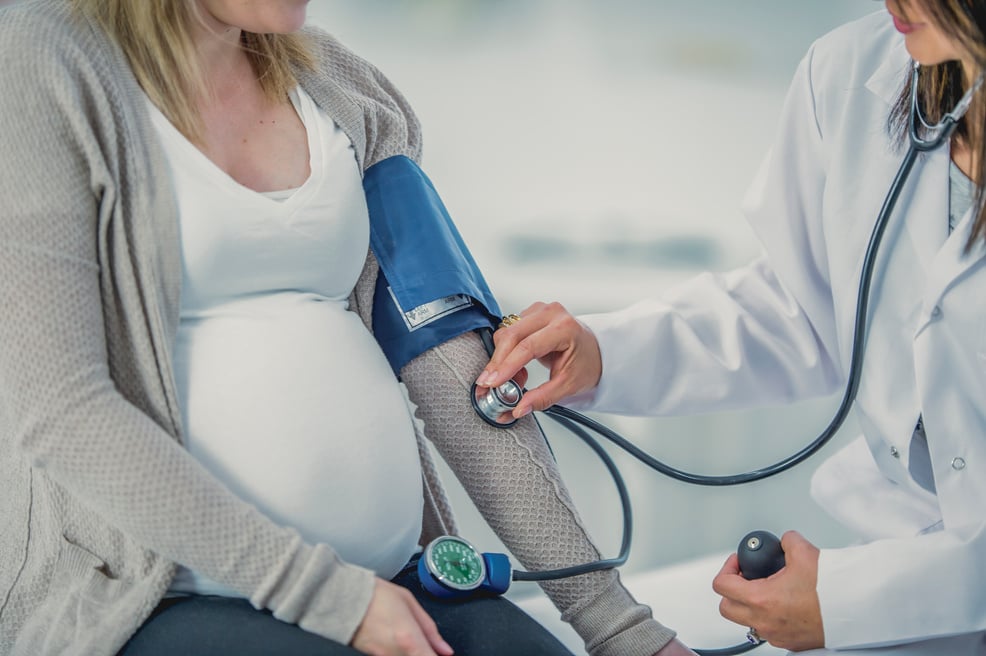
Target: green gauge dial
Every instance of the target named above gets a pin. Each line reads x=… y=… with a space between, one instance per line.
x=455 y=563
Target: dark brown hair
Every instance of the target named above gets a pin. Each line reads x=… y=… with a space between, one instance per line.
x=940 y=88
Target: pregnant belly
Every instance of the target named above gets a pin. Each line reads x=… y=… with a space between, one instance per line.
x=290 y=402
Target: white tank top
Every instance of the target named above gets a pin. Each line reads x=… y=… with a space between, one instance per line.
x=285 y=395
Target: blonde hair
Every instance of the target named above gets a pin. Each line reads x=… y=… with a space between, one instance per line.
x=155 y=36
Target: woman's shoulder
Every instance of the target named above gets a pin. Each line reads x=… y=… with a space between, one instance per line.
x=390 y=124
x=48 y=41
x=336 y=63
x=32 y=28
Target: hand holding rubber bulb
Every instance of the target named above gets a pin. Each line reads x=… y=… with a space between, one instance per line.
x=782 y=608
x=759 y=555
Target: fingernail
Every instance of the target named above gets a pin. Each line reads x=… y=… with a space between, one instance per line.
x=481 y=379
x=490 y=377
x=522 y=411
x=448 y=647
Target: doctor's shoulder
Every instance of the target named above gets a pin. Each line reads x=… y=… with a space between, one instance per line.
x=44 y=40
x=389 y=122
x=854 y=73
x=850 y=54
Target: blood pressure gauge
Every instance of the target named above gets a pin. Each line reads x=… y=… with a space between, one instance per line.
x=451 y=567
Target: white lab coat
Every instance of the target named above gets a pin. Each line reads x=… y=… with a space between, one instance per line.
x=781 y=328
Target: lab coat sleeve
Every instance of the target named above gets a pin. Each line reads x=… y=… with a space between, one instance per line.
x=907 y=589
x=719 y=342
x=760 y=334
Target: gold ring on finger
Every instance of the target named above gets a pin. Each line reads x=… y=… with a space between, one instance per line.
x=509 y=320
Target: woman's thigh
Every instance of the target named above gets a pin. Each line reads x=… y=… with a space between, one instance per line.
x=221 y=626
x=485 y=626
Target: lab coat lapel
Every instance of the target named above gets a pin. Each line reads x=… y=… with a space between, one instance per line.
x=952 y=261
x=926 y=208
x=923 y=204
x=926 y=214
x=886 y=81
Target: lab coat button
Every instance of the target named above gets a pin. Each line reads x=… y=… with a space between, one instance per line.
x=936 y=312
x=894 y=452
x=958 y=464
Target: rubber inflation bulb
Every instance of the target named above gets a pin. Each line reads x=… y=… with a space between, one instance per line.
x=760 y=555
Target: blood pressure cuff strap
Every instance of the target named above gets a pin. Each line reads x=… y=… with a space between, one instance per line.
x=429 y=289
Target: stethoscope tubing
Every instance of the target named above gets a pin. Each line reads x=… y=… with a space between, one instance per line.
x=849 y=395
x=941 y=133
x=574 y=421
x=621 y=488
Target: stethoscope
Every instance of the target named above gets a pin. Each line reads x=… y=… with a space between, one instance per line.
x=451 y=567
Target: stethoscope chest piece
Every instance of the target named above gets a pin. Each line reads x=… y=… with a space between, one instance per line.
x=494 y=404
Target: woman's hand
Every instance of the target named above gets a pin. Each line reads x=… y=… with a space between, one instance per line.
x=675 y=648
x=549 y=334
x=783 y=608
x=396 y=625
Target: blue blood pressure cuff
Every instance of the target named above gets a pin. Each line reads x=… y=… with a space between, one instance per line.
x=429 y=289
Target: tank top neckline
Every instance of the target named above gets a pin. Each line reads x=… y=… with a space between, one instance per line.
x=286 y=199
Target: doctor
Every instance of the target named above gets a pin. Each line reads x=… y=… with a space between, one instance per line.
x=780 y=329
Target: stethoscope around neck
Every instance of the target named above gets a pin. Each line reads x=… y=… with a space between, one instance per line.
x=494 y=405
x=941 y=132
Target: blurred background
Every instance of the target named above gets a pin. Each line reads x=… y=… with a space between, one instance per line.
x=596 y=152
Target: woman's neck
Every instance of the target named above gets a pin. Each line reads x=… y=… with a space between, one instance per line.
x=222 y=60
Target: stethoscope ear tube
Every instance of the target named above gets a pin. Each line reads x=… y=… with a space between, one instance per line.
x=942 y=131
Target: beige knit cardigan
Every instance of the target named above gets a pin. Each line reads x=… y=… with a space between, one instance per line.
x=99 y=500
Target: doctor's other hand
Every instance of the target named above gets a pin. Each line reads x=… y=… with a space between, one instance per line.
x=396 y=625
x=783 y=608
x=548 y=333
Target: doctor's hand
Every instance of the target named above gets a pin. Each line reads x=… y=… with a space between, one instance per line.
x=396 y=625
x=783 y=608
x=549 y=334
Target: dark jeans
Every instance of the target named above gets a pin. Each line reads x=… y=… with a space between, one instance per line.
x=220 y=626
